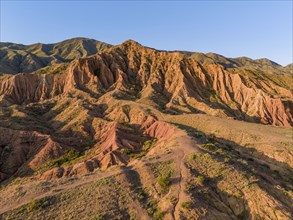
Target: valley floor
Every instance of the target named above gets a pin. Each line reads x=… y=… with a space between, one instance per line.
x=212 y=168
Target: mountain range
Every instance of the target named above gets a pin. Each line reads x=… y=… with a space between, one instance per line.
x=95 y=131
x=17 y=58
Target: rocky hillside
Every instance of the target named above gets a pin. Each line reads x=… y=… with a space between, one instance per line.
x=131 y=132
x=170 y=81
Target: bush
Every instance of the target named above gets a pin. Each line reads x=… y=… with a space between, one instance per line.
x=158 y=214
x=164 y=181
x=186 y=205
x=201 y=180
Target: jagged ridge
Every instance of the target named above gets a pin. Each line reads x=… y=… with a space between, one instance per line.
x=172 y=80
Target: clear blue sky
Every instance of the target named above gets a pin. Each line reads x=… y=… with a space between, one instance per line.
x=240 y=28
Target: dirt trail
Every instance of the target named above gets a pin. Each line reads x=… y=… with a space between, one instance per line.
x=186 y=146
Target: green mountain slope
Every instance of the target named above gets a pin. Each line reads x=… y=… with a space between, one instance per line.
x=18 y=58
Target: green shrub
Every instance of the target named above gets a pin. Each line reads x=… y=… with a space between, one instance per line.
x=190 y=187
x=68 y=157
x=186 y=205
x=98 y=217
x=220 y=151
x=201 y=180
x=208 y=146
x=148 y=144
x=127 y=151
x=40 y=204
x=164 y=181
x=158 y=215
x=138 y=155
x=33 y=206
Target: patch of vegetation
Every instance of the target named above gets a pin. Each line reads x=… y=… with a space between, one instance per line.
x=207 y=157
x=242 y=161
x=201 y=180
x=220 y=151
x=146 y=146
x=211 y=138
x=106 y=181
x=227 y=160
x=43 y=183
x=40 y=204
x=152 y=209
x=149 y=144
x=149 y=204
x=163 y=172
x=67 y=158
x=190 y=186
x=186 y=205
x=158 y=214
x=209 y=146
x=127 y=151
x=140 y=193
x=164 y=181
x=162 y=168
x=98 y=217
x=17 y=180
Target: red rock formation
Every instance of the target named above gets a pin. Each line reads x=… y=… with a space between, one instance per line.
x=179 y=81
x=24 y=151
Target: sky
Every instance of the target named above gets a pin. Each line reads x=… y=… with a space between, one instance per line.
x=255 y=29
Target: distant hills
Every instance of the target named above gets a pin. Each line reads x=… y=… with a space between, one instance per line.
x=19 y=58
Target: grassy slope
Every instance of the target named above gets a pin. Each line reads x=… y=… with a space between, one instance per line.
x=17 y=58
x=217 y=179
